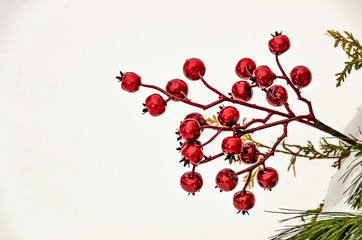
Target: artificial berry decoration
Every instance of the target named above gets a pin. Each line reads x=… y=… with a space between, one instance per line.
x=198 y=117
x=191 y=182
x=228 y=116
x=267 y=177
x=226 y=179
x=264 y=76
x=231 y=145
x=245 y=68
x=194 y=123
x=193 y=68
x=192 y=153
x=279 y=43
x=301 y=76
x=130 y=81
x=178 y=88
x=189 y=129
x=277 y=95
x=244 y=200
x=242 y=91
x=155 y=105
x=249 y=153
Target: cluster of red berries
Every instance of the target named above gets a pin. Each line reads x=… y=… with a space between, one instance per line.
x=233 y=146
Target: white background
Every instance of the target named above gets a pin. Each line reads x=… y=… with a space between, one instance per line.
x=79 y=161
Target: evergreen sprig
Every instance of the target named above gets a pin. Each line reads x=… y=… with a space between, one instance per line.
x=330 y=225
x=352 y=48
x=326 y=150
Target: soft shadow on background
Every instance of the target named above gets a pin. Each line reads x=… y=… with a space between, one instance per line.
x=79 y=161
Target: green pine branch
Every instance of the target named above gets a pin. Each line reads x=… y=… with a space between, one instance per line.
x=352 y=48
x=330 y=225
x=326 y=150
x=339 y=151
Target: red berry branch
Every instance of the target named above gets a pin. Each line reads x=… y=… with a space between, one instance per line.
x=233 y=148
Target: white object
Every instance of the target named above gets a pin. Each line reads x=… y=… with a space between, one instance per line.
x=335 y=200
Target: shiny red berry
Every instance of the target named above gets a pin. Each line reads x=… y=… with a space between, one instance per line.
x=226 y=179
x=193 y=68
x=191 y=182
x=155 y=105
x=244 y=68
x=244 y=200
x=267 y=177
x=264 y=76
x=178 y=88
x=198 y=117
x=130 y=81
x=301 y=76
x=228 y=116
x=277 y=95
x=279 y=44
x=192 y=153
x=231 y=145
x=249 y=153
x=242 y=91
x=189 y=129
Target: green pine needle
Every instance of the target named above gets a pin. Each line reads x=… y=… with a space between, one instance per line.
x=330 y=225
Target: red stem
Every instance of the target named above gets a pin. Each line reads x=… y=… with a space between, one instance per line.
x=211 y=88
x=193 y=168
x=213 y=137
x=257 y=120
x=208 y=159
x=269 y=154
x=311 y=116
x=248 y=180
x=284 y=121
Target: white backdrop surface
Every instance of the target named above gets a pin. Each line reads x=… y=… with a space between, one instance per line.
x=79 y=161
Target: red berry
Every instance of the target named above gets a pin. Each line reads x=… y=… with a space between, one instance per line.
x=249 y=153
x=155 y=105
x=189 y=129
x=242 y=91
x=244 y=200
x=130 y=81
x=279 y=44
x=267 y=177
x=228 y=116
x=264 y=76
x=198 y=117
x=193 y=68
x=192 y=153
x=226 y=179
x=231 y=145
x=244 y=68
x=178 y=88
x=194 y=142
x=277 y=95
x=191 y=182
x=301 y=76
